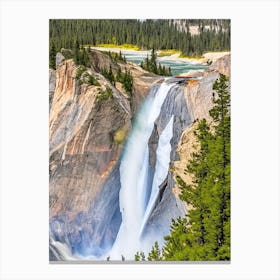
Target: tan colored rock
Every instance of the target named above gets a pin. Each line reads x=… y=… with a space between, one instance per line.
x=199 y=99
x=141 y=78
x=213 y=56
x=222 y=65
x=187 y=146
x=82 y=150
x=52 y=82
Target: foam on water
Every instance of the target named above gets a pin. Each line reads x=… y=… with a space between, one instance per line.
x=134 y=175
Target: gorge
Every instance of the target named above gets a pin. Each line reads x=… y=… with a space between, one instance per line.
x=111 y=197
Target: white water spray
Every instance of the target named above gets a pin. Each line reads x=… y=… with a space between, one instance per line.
x=162 y=166
x=134 y=176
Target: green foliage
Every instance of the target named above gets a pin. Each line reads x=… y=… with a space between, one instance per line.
x=204 y=234
x=104 y=94
x=159 y=34
x=117 y=57
x=79 y=71
x=122 y=46
x=155 y=254
x=137 y=257
x=90 y=80
x=126 y=79
x=108 y=74
x=81 y=56
x=67 y=53
x=150 y=64
x=120 y=135
x=140 y=256
x=52 y=55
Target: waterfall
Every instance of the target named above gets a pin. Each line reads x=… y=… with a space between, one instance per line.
x=134 y=176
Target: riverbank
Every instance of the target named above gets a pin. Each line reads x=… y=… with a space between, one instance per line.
x=171 y=55
x=209 y=56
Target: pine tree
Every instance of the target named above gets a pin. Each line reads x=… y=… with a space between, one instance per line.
x=111 y=77
x=157 y=34
x=155 y=254
x=52 y=55
x=204 y=234
x=77 y=53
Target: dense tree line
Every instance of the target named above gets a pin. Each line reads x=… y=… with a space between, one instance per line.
x=151 y=65
x=214 y=35
x=81 y=55
x=204 y=233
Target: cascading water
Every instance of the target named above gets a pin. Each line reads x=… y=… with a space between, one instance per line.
x=136 y=204
x=137 y=197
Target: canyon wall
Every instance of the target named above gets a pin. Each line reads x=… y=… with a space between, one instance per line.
x=86 y=148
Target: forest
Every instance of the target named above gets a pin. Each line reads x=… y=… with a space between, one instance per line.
x=202 y=233
x=212 y=35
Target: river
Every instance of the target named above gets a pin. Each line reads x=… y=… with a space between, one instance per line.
x=178 y=66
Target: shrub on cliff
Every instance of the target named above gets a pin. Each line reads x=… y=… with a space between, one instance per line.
x=120 y=135
x=104 y=94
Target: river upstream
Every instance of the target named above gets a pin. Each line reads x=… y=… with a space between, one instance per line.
x=177 y=65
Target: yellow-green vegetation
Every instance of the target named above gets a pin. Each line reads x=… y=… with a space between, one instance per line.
x=191 y=57
x=90 y=80
x=85 y=78
x=123 y=46
x=120 y=135
x=104 y=94
x=79 y=71
x=174 y=51
x=168 y=52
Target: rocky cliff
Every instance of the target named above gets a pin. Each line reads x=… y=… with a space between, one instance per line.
x=85 y=148
x=188 y=102
x=198 y=96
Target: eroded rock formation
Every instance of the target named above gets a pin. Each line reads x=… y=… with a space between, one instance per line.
x=84 y=153
x=85 y=156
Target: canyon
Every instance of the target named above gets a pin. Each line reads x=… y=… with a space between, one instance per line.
x=87 y=152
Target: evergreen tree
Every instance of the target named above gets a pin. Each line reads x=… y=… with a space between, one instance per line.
x=157 y=34
x=155 y=254
x=204 y=234
x=150 y=64
x=111 y=77
x=52 y=56
x=128 y=82
x=77 y=53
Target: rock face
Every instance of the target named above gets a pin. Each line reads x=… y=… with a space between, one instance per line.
x=168 y=205
x=52 y=78
x=59 y=58
x=188 y=103
x=222 y=65
x=84 y=156
x=198 y=95
x=141 y=78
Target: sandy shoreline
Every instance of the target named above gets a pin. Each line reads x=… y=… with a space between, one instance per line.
x=213 y=56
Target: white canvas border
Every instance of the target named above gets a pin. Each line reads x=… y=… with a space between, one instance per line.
x=24 y=138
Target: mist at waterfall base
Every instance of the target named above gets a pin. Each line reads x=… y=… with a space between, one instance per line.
x=139 y=192
x=139 y=186
x=134 y=187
